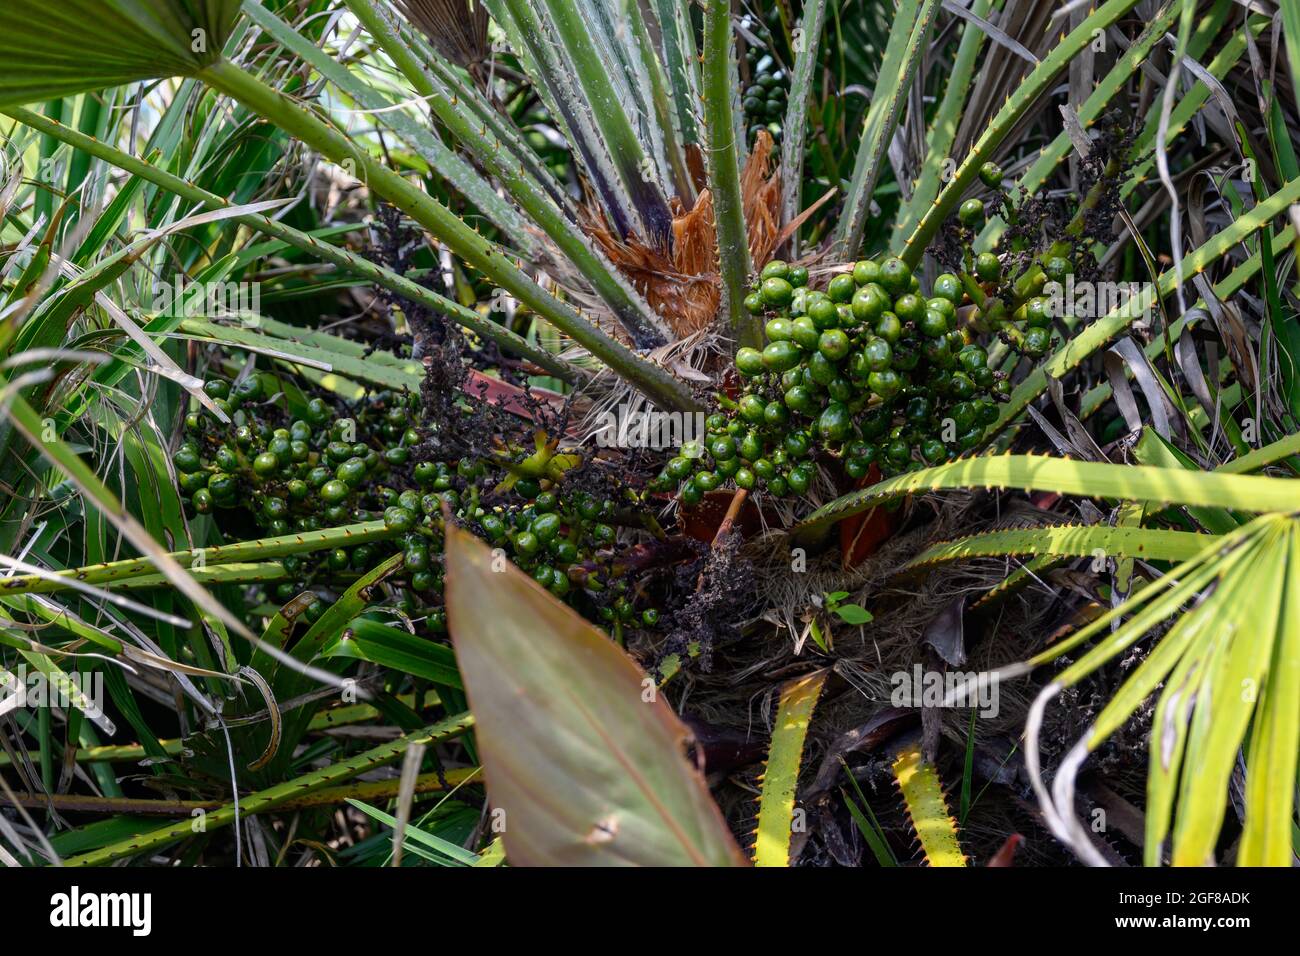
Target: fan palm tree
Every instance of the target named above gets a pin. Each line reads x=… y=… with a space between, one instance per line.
x=634 y=250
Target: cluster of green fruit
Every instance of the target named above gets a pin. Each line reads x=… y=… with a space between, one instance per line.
x=764 y=101
x=1007 y=302
x=563 y=539
x=327 y=470
x=871 y=370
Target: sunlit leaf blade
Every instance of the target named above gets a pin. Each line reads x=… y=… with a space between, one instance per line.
x=943 y=128
x=781 y=775
x=918 y=782
x=1151 y=543
x=1227 y=665
x=806 y=62
x=1275 y=740
x=579 y=751
x=1226 y=700
x=1065 y=476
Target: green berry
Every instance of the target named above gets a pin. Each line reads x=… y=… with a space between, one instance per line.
x=723 y=449
x=779 y=330
x=751 y=408
x=777 y=293
x=217 y=388
x=775 y=414
x=869 y=304
x=877 y=354
x=889 y=327
x=885 y=383
x=820 y=367
x=749 y=362
x=895 y=276
x=265 y=464
x=546 y=527
x=834 y=344
x=690 y=494
x=1058 y=268
x=971 y=213
x=780 y=356
x=933 y=450
x=991 y=175
x=824 y=314
x=948 y=286
x=333 y=492
x=187 y=459
x=933 y=324
x=988 y=267
x=352 y=472
x=841 y=288
x=945 y=308
x=835 y=423
x=222 y=486
x=679 y=467
x=1037 y=341
x=865 y=271
x=909 y=307
x=249 y=390
x=798 y=398
x=398 y=519
x=1038 y=312
x=805 y=333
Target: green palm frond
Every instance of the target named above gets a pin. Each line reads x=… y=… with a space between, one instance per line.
x=51 y=50
x=1230 y=670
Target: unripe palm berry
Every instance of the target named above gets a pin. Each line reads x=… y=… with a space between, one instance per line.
x=780 y=356
x=749 y=362
x=865 y=271
x=948 y=286
x=971 y=213
x=777 y=293
x=988 y=267
x=895 y=276
x=333 y=492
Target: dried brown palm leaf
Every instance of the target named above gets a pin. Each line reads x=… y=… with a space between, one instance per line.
x=682 y=283
x=456 y=28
